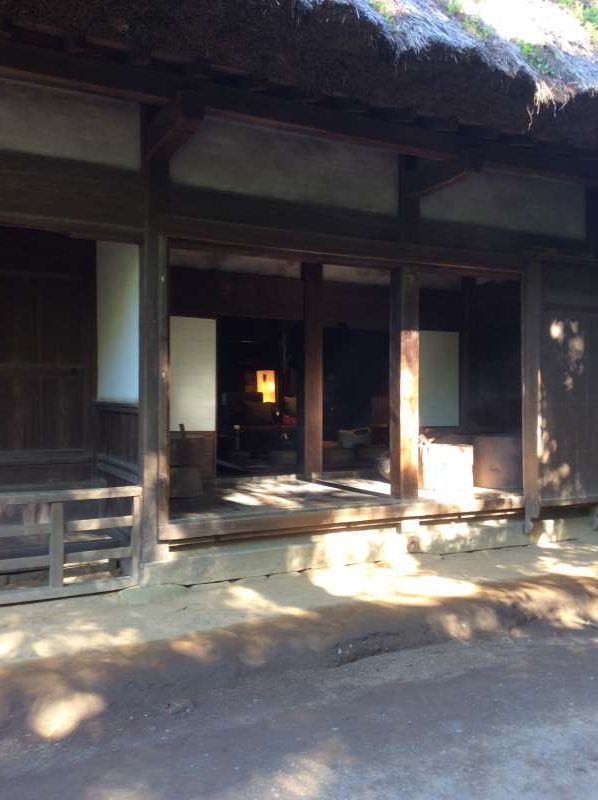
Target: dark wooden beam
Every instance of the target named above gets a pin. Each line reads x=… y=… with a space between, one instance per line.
x=404 y=384
x=480 y=238
x=192 y=233
x=537 y=162
x=74 y=71
x=154 y=363
x=172 y=126
x=70 y=197
x=261 y=211
x=531 y=341
x=592 y=221
x=431 y=177
x=313 y=377
x=223 y=101
x=406 y=139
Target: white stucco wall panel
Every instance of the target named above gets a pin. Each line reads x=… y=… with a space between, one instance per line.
x=193 y=372
x=439 y=378
x=52 y=122
x=523 y=203
x=118 y=322
x=260 y=161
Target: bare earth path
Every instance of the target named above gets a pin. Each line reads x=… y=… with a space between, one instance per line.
x=516 y=718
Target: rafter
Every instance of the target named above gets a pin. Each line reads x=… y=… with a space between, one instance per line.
x=430 y=177
x=172 y=126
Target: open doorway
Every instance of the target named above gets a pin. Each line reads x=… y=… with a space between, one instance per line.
x=238 y=411
x=469 y=387
x=259 y=365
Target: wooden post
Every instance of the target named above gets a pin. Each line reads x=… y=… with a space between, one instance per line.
x=465 y=393
x=404 y=383
x=313 y=379
x=531 y=309
x=136 y=511
x=154 y=362
x=56 y=578
x=592 y=220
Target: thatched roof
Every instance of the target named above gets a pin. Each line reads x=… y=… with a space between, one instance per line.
x=517 y=65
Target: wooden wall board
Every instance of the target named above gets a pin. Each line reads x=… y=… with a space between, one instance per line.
x=568 y=428
x=47 y=318
x=117 y=434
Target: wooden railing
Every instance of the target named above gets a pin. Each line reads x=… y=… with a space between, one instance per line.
x=56 y=529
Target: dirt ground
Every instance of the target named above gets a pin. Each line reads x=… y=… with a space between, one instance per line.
x=508 y=718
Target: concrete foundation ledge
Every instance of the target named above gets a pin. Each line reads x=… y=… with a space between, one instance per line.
x=331 y=550
x=65 y=664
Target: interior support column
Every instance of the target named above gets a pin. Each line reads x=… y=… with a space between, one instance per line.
x=313 y=379
x=154 y=363
x=531 y=329
x=465 y=338
x=404 y=383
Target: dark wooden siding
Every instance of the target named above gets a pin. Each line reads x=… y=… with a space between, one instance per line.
x=569 y=385
x=117 y=440
x=47 y=344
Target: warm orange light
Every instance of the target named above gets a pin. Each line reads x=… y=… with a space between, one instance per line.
x=266 y=384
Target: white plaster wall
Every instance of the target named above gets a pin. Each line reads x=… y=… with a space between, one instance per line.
x=72 y=125
x=254 y=160
x=118 y=322
x=192 y=373
x=523 y=203
x=439 y=378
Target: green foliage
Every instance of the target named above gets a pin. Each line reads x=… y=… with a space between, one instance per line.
x=469 y=22
x=586 y=11
x=537 y=57
x=384 y=8
x=476 y=26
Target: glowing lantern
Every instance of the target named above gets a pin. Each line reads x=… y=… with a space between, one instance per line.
x=266 y=384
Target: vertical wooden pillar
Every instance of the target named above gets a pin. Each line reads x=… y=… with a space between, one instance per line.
x=56 y=576
x=313 y=379
x=154 y=363
x=404 y=383
x=592 y=220
x=531 y=327
x=465 y=387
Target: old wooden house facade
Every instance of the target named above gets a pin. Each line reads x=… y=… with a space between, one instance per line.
x=255 y=257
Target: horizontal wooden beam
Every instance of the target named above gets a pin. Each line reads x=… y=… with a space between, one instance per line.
x=232 y=206
x=318 y=120
x=433 y=176
x=467 y=235
x=188 y=233
x=70 y=196
x=75 y=71
x=172 y=126
x=67 y=495
x=411 y=140
x=531 y=161
x=213 y=526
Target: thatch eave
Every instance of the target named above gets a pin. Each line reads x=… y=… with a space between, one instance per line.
x=419 y=57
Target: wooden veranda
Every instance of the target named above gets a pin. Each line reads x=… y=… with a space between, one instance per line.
x=143 y=194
